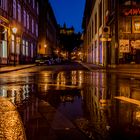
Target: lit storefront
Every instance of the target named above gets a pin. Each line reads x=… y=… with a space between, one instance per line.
x=129 y=32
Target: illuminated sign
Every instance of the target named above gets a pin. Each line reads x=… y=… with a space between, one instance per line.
x=124 y=46
x=135 y=44
x=132 y=12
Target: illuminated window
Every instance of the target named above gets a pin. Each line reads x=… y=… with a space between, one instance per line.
x=136 y=25
x=23 y=47
x=27 y=50
x=125 y=25
x=17 y=45
x=13 y=44
x=4 y=48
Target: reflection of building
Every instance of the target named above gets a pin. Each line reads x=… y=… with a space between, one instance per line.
x=48 y=29
x=98 y=104
x=112 y=32
x=19 y=47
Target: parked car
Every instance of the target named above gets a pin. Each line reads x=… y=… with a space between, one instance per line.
x=43 y=61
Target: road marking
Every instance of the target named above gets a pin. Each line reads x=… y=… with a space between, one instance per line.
x=130 y=100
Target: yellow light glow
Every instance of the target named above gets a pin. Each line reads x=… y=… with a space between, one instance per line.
x=14 y=30
x=130 y=100
x=45 y=45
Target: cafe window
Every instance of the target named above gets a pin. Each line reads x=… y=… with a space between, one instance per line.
x=136 y=25
x=125 y=24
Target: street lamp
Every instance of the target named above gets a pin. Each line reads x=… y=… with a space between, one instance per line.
x=14 y=30
x=45 y=46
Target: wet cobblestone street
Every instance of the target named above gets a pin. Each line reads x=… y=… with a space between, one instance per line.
x=71 y=102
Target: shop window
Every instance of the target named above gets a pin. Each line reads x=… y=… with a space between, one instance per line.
x=136 y=25
x=125 y=24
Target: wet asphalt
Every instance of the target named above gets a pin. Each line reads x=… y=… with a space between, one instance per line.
x=70 y=102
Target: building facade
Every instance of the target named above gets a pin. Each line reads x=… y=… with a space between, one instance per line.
x=48 y=30
x=69 y=41
x=129 y=32
x=18 y=31
x=111 y=35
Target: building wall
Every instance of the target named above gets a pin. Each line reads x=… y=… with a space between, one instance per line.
x=48 y=32
x=95 y=46
x=129 y=32
x=120 y=44
x=19 y=47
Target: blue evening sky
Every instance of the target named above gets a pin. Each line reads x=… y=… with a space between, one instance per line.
x=69 y=12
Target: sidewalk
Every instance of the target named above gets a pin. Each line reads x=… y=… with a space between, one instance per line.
x=5 y=69
x=122 y=68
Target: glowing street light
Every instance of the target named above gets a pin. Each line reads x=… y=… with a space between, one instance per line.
x=14 y=30
x=45 y=46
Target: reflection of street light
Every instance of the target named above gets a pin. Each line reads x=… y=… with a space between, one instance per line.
x=14 y=30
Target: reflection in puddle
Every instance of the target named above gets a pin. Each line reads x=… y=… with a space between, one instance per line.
x=85 y=98
x=109 y=118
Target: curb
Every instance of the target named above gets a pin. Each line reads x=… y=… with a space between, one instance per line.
x=16 y=69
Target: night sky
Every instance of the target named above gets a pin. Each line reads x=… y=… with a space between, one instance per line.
x=69 y=12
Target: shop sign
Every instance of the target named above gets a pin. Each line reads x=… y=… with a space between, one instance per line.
x=135 y=44
x=132 y=12
x=124 y=46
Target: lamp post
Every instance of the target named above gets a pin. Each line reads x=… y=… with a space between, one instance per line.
x=14 y=30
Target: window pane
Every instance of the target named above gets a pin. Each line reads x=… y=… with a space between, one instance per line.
x=125 y=24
